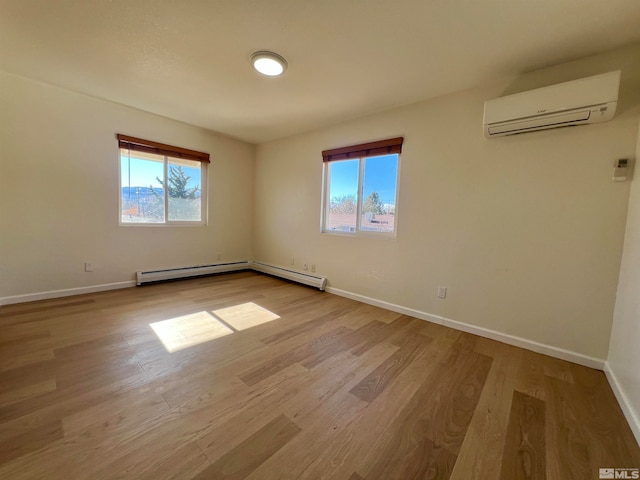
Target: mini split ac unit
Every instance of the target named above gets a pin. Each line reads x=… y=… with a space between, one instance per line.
x=579 y=102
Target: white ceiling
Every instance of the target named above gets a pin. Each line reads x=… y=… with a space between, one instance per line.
x=189 y=59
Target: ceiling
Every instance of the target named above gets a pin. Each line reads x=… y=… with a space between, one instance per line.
x=189 y=59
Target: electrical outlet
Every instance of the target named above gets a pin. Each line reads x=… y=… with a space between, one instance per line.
x=88 y=267
x=442 y=292
x=313 y=268
x=305 y=267
x=292 y=261
x=219 y=256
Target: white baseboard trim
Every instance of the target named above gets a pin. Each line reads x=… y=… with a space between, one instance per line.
x=31 y=297
x=387 y=306
x=632 y=416
x=534 y=346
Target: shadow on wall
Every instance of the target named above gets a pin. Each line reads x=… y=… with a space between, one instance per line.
x=625 y=60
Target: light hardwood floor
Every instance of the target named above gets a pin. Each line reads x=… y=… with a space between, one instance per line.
x=292 y=384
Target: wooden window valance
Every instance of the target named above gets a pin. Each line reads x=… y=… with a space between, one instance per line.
x=148 y=146
x=381 y=147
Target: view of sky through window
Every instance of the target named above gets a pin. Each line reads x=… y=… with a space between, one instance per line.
x=145 y=171
x=380 y=176
x=375 y=211
x=148 y=197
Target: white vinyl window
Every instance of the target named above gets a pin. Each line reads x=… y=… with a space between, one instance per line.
x=161 y=184
x=361 y=188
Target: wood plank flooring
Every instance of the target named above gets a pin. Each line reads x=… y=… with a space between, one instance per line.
x=292 y=384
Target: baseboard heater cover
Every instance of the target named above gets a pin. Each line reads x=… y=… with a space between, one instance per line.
x=312 y=280
x=152 y=276
x=186 y=272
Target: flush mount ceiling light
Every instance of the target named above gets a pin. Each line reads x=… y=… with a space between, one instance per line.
x=268 y=63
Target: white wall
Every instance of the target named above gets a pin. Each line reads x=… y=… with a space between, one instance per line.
x=59 y=192
x=525 y=231
x=624 y=349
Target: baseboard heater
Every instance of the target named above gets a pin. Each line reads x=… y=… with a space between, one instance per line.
x=186 y=272
x=304 y=278
x=152 y=276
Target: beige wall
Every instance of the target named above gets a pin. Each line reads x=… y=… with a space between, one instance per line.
x=526 y=232
x=624 y=350
x=59 y=193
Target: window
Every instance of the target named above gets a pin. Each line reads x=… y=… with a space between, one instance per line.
x=361 y=188
x=161 y=184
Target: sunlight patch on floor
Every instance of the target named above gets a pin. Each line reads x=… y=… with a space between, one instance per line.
x=245 y=315
x=189 y=330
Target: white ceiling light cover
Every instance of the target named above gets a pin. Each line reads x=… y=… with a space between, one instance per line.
x=269 y=63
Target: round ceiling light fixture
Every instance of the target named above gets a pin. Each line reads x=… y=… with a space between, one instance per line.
x=268 y=63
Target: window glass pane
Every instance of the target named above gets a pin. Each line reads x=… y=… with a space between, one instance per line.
x=141 y=187
x=342 y=195
x=379 y=193
x=184 y=187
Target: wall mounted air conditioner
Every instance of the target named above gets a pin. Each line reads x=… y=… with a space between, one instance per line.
x=579 y=102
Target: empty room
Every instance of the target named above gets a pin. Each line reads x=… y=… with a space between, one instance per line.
x=354 y=239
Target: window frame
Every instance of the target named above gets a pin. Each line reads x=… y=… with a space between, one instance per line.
x=168 y=152
x=360 y=152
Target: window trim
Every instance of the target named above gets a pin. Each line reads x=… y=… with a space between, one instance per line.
x=359 y=152
x=134 y=144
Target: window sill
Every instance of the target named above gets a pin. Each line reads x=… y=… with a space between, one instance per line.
x=362 y=234
x=164 y=225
